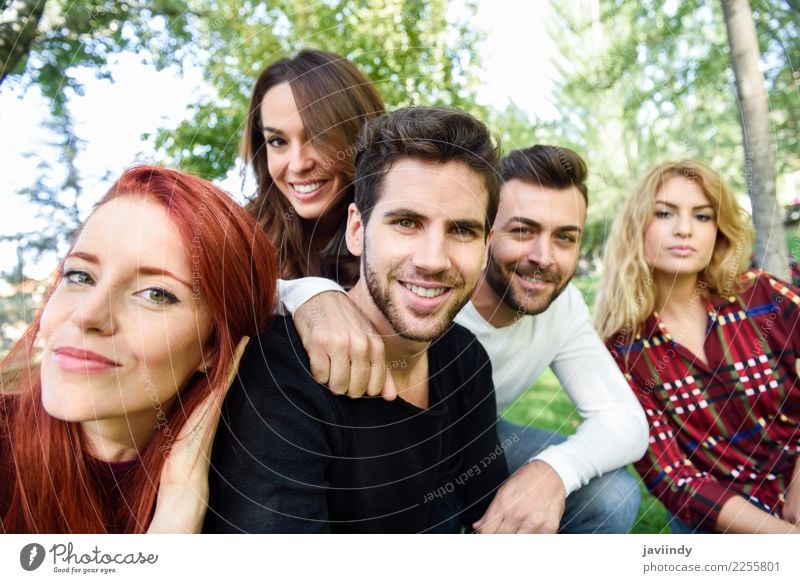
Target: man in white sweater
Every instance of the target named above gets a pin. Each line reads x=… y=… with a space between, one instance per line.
x=528 y=317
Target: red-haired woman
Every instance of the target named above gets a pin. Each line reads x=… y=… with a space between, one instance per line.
x=112 y=396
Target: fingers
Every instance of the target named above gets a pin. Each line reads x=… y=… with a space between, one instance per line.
x=389 y=392
x=344 y=351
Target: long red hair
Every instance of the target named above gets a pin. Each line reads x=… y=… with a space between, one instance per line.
x=52 y=488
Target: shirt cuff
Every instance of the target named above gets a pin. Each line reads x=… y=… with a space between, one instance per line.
x=562 y=467
x=293 y=293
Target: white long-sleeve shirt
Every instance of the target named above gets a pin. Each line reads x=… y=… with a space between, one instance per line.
x=614 y=430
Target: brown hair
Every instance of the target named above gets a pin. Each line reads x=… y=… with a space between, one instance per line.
x=550 y=166
x=334 y=100
x=432 y=134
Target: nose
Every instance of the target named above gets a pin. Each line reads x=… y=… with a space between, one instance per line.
x=431 y=253
x=683 y=225
x=302 y=158
x=94 y=312
x=541 y=252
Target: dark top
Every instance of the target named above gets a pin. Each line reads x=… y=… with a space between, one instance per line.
x=107 y=476
x=291 y=457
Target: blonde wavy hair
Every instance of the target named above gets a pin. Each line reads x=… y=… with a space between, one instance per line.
x=627 y=296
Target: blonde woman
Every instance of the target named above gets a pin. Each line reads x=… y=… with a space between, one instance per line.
x=711 y=351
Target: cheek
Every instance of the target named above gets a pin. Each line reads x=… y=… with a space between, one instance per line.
x=275 y=166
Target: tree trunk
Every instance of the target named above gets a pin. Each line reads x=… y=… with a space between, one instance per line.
x=759 y=160
x=18 y=25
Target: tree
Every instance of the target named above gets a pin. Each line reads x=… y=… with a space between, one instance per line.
x=413 y=50
x=648 y=81
x=759 y=158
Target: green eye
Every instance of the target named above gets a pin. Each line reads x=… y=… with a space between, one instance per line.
x=159 y=296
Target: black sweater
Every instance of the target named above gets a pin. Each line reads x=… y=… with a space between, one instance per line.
x=290 y=456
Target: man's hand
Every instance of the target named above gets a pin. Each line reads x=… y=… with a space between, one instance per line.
x=346 y=353
x=791 y=508
x=531 y=501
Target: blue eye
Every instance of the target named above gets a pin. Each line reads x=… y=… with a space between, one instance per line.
x=159 y=296
x=78 y=277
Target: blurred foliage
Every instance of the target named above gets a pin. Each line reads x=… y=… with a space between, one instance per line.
x=416 y=52
x=642 y=82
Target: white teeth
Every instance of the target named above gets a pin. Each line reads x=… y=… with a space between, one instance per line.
x=425 y=292
x=306 y=188
x=531 y=279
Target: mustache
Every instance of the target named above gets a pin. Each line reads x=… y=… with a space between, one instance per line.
x=537 y=272
x=442 y=279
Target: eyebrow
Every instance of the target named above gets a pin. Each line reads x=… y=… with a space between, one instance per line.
x=145 y=270
x=478 y=226
x=674 y=206
x=269 y=130
x=537 y=225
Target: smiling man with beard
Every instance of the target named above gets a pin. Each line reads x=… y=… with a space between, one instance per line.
x=528 y=318
x=290 y=456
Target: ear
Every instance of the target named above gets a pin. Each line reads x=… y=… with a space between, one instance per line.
x=354 y=234
x=487 y=250
x=206 y=360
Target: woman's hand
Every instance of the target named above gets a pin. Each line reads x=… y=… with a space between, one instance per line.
x=183 y=489
x=791 y=508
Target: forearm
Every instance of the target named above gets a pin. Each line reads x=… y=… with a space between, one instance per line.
x=740 y=517
x=295 y=292
x=603 y=443
x=180 y=510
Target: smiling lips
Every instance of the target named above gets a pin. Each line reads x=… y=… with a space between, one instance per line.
x=72 y=359
x=307 y=190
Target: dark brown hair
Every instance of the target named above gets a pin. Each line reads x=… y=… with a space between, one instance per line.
x=431 y=134
x=334 y=100
x=549 y=166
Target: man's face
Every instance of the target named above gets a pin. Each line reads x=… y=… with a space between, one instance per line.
x=424 y=247
x=535 y=246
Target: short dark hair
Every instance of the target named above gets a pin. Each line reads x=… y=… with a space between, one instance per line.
x=430 y=134
x=549 y=166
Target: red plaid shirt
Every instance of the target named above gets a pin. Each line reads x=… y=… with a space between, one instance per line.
x=732 y=426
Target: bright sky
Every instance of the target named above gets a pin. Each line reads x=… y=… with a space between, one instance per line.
x=112 y=115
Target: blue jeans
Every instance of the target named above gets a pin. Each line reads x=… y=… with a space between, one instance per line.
x=607 y=504
x=680 y=527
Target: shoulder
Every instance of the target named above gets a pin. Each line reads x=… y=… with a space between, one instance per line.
x=274 y=376
x=757 y=284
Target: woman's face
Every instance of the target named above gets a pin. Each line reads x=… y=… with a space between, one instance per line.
x=681 y=235
x=123 y=331
x=308 y=179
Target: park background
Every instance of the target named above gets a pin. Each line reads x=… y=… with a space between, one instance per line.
x=88 y=88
